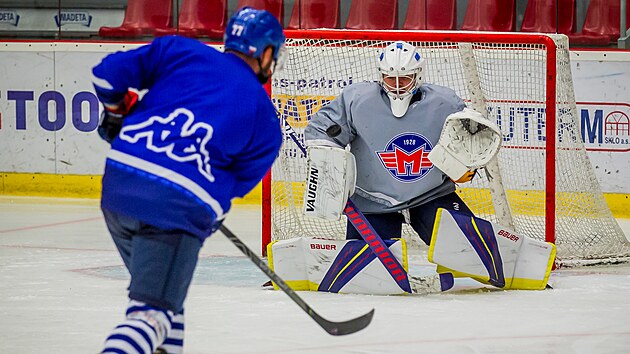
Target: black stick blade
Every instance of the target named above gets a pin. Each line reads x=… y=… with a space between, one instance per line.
x=346 y=327
x=333 y=328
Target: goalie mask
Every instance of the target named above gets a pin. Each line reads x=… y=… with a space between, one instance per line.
x=402 y=72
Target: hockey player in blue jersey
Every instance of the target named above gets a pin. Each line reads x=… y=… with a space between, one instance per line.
x=204 y=133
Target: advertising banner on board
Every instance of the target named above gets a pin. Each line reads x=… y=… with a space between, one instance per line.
x=49 y=113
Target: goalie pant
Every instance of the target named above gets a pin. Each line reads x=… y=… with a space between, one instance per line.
x=421 y=219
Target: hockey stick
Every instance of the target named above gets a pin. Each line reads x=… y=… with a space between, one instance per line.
x=333 y=328
x=360 y=222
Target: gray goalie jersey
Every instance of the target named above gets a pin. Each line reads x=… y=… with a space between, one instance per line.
x=393 y=171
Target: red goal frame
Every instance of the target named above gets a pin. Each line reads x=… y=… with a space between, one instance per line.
x=451 y=36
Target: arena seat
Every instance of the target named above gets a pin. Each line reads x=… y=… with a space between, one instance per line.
x=276 y=7
x=373 y=14
x=540 y=16
x=307 y=14
x=142 y=17
x=490 y=15
x=601 y=26
x=199 y=18
x=431 y=15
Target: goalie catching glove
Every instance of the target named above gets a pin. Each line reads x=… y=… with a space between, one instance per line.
x=330 y=180
x=468 y=142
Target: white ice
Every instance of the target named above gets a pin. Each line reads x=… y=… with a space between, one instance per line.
x=63 y=287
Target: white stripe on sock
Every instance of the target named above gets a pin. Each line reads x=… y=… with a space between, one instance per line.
x=176 y=334
x=121 y=345
x=172 y=349
x=136 y=337
x=144 y=327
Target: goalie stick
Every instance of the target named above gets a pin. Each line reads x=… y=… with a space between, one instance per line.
x=361 y=224
x=333 y=328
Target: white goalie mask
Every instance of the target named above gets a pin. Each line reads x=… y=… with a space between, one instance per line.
x=402 y=71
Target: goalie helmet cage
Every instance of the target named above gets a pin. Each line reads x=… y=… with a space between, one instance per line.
x=543 y=188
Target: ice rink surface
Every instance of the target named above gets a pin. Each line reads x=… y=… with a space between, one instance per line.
x=63 y=288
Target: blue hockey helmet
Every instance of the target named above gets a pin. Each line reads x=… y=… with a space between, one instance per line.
x=250 y=31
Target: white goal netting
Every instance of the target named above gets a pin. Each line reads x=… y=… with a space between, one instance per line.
x=549 y=187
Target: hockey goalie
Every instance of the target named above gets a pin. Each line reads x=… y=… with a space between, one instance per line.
x=461 y=246
x=393 y=152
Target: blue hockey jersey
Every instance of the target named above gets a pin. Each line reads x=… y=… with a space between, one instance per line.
x=204 y=133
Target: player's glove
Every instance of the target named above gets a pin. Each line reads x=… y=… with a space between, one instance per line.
x=113 y=115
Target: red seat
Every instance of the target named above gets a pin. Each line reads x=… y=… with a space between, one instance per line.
x=373 y=14
x=142 y=17
x=276 y=7
x=540 y=16
x=490 y=15
x=431 y=15
x=309 y=14
x=200 y=18
x=601 y=26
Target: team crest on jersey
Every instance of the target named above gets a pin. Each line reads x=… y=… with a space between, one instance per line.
x=162 y=135
x=406 y=157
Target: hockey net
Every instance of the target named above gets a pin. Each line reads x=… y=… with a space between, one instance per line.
x=547 y=187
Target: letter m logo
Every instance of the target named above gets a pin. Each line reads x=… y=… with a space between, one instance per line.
x=406 y=157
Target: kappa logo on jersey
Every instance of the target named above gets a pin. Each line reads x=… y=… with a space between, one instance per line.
x=159 y=133
x=406 y=157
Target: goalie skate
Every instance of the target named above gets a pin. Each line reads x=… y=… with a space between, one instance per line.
x=431 y=284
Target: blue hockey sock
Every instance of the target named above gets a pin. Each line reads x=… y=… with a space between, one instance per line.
x=144 y=329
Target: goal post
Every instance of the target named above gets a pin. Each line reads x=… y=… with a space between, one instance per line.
x=545 y=188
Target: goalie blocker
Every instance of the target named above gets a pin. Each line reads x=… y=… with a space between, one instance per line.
x=331 y=177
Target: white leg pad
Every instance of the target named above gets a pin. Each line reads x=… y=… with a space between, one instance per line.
x=339 y=266
x=489 y=253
